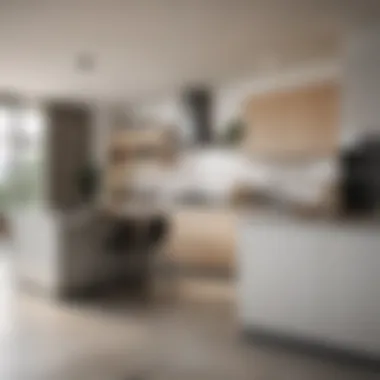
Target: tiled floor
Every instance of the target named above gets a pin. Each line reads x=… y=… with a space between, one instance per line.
x=196 y=338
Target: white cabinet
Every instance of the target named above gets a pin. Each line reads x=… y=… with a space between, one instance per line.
x=318 y=281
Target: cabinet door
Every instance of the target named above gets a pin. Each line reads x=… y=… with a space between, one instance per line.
x=203 y=239
x=299 y=122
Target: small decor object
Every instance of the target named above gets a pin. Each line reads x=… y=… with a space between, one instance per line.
x=234 y=132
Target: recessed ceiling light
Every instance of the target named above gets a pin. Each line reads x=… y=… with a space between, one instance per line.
x=85 y=62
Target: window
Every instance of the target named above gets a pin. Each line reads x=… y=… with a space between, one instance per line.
x=20 y=155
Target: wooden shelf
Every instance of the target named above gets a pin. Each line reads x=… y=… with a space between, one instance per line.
x=129 y=150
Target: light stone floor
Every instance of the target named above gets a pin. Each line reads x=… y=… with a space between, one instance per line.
x=193 y=338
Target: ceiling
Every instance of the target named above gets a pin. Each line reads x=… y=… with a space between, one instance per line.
x=144 y=48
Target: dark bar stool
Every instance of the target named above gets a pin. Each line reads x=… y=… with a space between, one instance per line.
x=137 y=240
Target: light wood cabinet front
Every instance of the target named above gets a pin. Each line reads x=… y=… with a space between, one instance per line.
x=203 y=238
x=300 y=122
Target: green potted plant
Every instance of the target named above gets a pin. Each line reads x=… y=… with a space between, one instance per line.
x=234 y=132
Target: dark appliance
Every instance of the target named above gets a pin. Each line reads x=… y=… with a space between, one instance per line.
x=360 y=177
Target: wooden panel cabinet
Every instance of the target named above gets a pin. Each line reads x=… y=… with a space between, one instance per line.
x=203 y=239
x=301 y=122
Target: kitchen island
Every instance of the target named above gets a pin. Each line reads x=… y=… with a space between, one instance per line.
x=313 y=281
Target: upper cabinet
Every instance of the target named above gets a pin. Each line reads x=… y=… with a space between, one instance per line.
x=296 y=123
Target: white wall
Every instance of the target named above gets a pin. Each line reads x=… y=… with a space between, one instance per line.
x=229 y=98
x=168 y=111
x=361 y=83
x=311 y=280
